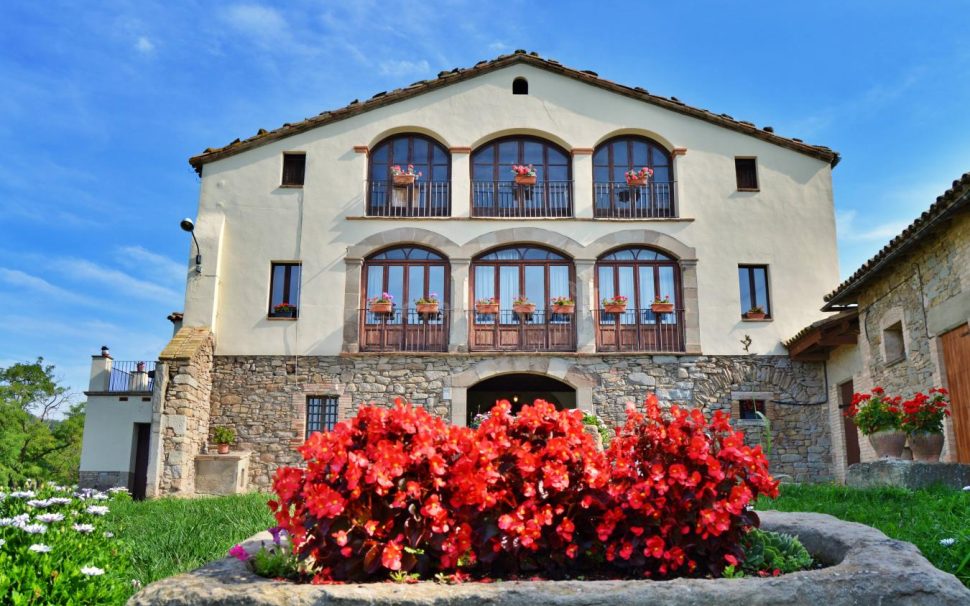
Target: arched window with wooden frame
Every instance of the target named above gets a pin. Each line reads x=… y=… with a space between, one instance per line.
x=508 y=280
x=498 y=192
x=648 y=282
x=423 y=191
x=615 y=194
x=410 y=278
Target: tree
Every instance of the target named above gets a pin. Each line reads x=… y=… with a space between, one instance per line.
x=34 y=444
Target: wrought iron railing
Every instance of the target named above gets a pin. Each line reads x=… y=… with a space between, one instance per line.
x=418 y=199
x=652 y=200
x=640 y=330
x=509 y=199
x=131 y=376
x=404 y=330
x=509 y=330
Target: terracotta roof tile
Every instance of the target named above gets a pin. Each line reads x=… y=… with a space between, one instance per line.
x=446 y=78
x=955 y=198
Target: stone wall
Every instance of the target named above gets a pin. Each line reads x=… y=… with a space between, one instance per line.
x=264 y=397
x=184 y=419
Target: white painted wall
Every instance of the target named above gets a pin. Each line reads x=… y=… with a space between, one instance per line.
x=246 y=221
x=109 y=431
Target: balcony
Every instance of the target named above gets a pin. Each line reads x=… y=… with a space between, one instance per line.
x=618 y=200
x=131 y=377
x=508 y=330
x=639 y=330
x=509 y=199
x=404 y=330
x=419 y=199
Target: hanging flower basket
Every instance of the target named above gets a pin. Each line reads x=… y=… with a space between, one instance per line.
x=381 y=307
x=616 y=305
x=662 y=308
x=486 y=308
x=755 y=313
x=525 y=179
x=636 y=181
x=428 y=309
x=568 y=308
x=524 y=308
x=403 y=180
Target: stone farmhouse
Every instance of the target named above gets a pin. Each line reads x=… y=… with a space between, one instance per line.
x=725 y=251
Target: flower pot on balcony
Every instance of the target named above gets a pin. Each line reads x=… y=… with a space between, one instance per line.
x=614 y=308
x=223 y=449
x=428 y=309
x=525 y=179
x=486 y=308
x=564 y=309
x=888 y=444
x=285 y=313
x=926 y=446
x=662 y=308
x=403 y=180
x=380 y=307
x=754 y=315
x=636 y=181
x=524 y=309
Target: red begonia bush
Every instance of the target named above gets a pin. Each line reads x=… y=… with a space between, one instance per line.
x=401 y=490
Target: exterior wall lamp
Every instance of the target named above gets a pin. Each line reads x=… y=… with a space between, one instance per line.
x=189 y=226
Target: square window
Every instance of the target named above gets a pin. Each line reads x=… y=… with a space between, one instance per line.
x=746 y=170
x=894 y=347
x=284 y=290
x=750 y=408
x=321 y=413
x=755 y=300
x=294 y=169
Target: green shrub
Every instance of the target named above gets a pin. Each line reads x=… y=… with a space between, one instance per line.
x=605 y=432
x=766 y=552
x=224 y=435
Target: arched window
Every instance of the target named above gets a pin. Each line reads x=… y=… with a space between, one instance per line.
x=427 y=195
x=520 y=86
x=497 y=193
x=537 y=275
x=408 y=274
x=642 y=276
x=615 y=195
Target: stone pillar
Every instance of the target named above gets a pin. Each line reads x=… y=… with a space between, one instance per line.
x=583 y=182
x=692 y=327
x=352 y=301
x=100 y=371
x=585 y=328
x=461 y=181
x=460 y=306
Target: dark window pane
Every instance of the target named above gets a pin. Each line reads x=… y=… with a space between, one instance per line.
x=750 y=408
x=532 y=153
x=508 y=152
x=284 y=287
x=294 y=166
x=761 y=287
x=321 y=414
x=744 y=278
x=746 y=173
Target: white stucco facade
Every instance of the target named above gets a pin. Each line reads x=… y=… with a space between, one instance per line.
x=246 y=220
x=109 y=431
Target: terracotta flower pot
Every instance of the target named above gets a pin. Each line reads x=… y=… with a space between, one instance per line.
x=486 y=308
x=662 y=308
x=223 y=449
x=926 y=446
x=525 y=180
x=381 y=307
x=524 y=309
x=564 y=309
x=636 y=181
x=403 y=180
x=754 y=315
x=428 y=309
x=888 y=444
x=614 y=308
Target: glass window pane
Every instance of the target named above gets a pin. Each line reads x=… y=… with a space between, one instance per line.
x=293 y=297
x=415 y=284
x=661 y=174
x=399 y=151
x=276 y=285
x=556 y=157
x=532 y=154
x=761 y=288
x=379 y=154
x=558 y=281
x=626 y=288
x=485 y=155
x=601 y=156
x=558 y=173
x=508 y=288
x=535 y=287
x=436 y=282
x=667 y=286
x=640 y=158
x=375 y=281
x=484 y=282
x=439 y=174
x=483 y=172
x=620 y=156
x=508 y=152
x=379 y=171
x=395 y=284
x=745 y=284
x=647 y=293
x=439 y=155
x=420 y=151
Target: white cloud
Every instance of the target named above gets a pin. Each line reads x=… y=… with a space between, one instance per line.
x=416 y=68
x=256 y=20
x=498 y=46
x=849 y=232
x=144 y=45
x=142 y=259
x=20 y=279
x=116 y=280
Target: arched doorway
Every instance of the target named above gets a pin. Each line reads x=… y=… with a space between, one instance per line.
x=518 y=389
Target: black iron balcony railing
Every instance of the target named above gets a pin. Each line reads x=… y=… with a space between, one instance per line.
x=652 y=200
x=404 y=330
x=509 y=330
x=640 y=330
x=132 y=376
x=418 y=199
x=509 y=199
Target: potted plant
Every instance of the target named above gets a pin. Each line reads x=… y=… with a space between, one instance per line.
x=563 y=305
x=382 y=304
x=524 y=175
x=878 y=417
x=404 y=177
x=756 y=312
x=284 y=310
x=487 y=306
x=662 y=305
x=615 y=305
x=428 y=306
x=923 y=423
x=638 y=177
x=522 y=306
x=223 y=437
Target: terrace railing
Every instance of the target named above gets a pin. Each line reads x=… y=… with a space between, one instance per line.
x=618 y=200
x=419 y=199
x=640 y=330
x=131 y=376
x=509 y=330
x=404 y=330
x=509 y=199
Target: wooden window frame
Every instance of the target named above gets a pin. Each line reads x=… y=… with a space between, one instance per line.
x=521 y=140
x=752 y=290
x=738 y=160
x=323 y=419
x=415 y=191
x=427 y=264
x=759 y=405
x=283 y=177
x=522 y=264
x=287 y=286
x=636 y=264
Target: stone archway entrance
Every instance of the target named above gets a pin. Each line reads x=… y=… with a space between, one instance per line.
x=518 y=389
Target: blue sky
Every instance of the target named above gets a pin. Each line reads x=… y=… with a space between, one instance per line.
x=102 y=103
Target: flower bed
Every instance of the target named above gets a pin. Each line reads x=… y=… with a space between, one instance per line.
x=55 y=549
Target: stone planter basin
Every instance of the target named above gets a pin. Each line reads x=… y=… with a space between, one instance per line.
x=864 y=567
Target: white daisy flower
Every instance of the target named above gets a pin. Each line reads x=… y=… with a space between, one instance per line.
x=98 y=510
x=135 y=583
x=38 y=503
x=84 y=528
x=109 y=535
x=92 y=571
x=40 y=548
x=2 y=542
x=50 y=518
x=22 y=494
x=3 y=496
x=59 y=501
x=947 y=542
x=966 y=488
x=34 y=528
x=117 y=489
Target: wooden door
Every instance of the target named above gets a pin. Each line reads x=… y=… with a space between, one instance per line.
x=852 y=455
x=956 y=357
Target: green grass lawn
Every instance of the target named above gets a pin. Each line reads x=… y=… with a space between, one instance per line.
x=922 y=517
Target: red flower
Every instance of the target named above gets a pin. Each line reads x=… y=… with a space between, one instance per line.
x=391 y=556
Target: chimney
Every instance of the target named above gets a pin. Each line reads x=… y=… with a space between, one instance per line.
x=100 y=370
